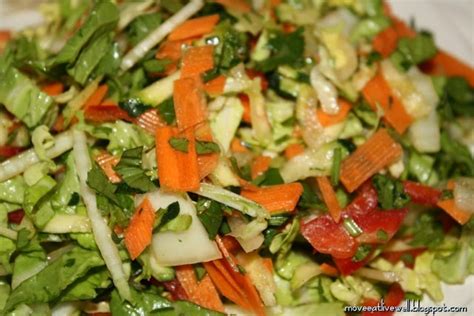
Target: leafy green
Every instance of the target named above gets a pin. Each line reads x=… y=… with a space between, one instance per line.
x=48 y=284
x=270 y=177
x=166 y=215
x=285 y=49
x=211 y=216
x=205 y=147
x=369 y=27
x=38 y=209
x=131 y=170
x=413 y=51
x=86 y=287
x=166 y=111
x=12 y=190
x=65 y=198
x=133 y=106
x=142 y=26
x=391 y=194
x=454 y=159
x=427 y=231
x=179 y=143
x=421 y=167
x=309 y=199
x=336 y=166
x=457 y=98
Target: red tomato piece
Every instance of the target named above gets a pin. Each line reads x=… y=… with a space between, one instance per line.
x=175 y=288
x=404 y=255
x=347 y=266
x=252 y=73
x=394 y=297
x=9 y=151
x=326 y=236
x=388 y=220
x=365 y=202
x=16 y=217
x=101 y=113
x=421 y=194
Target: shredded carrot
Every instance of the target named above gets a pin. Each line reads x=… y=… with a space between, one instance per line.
x=236 y=146
x=449 y=206
x=189 y=102
x=237 y=5
x=108 y=102
x=178 y=171
x=386 y=41
x=226 y=254
x=201 y=292
x=229 y=243
x=58 y=125
x=446 y=64
x=377 y=152
x=5 y=36
x=329 y=270
x=107 y=162
x=197 y=60
x=377 y=91
x=150 y=121
x=206 y=162
x=268 y=264
x=260 y=165
x=276 y=198
x=215 y=86
x=97 y=97
x=328 y=120
x=403 y=30
x=53 y=89
x=139 y=232
x=246 y=117
x=330 y=198
x=293 y=150
x=107 y=113
x=171 y=51
x=194 y=27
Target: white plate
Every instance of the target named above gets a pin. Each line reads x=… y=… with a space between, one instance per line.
x=452 y=23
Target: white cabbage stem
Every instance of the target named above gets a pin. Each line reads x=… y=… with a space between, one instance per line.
x=327 y=93
x=464 y=194
x=136 y=53
x=100 y=229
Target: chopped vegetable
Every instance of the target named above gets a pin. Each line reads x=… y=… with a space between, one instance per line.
x=138 y=233
x=276 y=198
x=330 y=198
x=194 y=28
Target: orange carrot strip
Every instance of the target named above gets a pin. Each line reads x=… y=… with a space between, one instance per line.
x=225 y=284
x=215 y=86
x=201 y=292
x=53 y=89
x=226 y=254
x=293 y=150
x=206 y=162
x=107 y=162
x=100 y=113
x=237 y=5
x=459 y=215
x=230 y=243
x=246 y=117
x=189 y=102
x=377 y=91
x=197 y=60
x=150 y=121
x=268 y=264
x=97 y=97
x=376 y=153
x=328 y=120
x=5 y=36
x=260 y=165
x=446 y=64
x=385 y=42
x=329 y=197
x=177 y=171
x=329 y=270
x=276 y=198
x=58 y=125
x=194 y=27
x=139 y=232
x=237 y=147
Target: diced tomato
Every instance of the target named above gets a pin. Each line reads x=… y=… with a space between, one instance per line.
x=421 y=194
x=9 y=151
x=404 y=255
x=388 y=221
x=348 y=266
x=365 y=202
x=16 y=217
x=394 y=297
x=176 y=290
x=99 y=113
x=326 y=236
x=252 y=73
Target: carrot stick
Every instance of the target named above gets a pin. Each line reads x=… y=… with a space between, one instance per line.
x=150 y=121
x=293 y=150
x=189 y=102
x=459 y=215
x=237 y=147
x=329 y=197
x=276 y=198
x=215 y=86
x=194 y=27
x=53 y=89
x=177 y=171
x=201 y=292
x=58 y=125
x=5 y=36
x=246 y=117
x=107 y=162
x=446 y=64
x=171 y=51
x=386 y=41
x=139 y=232
x=197 y=60
x=329 y=270
x=268 y=264
x=260 y=165
x=237 y=5
x=226 y=253
x=376 y=153
x=328 y=120
x=229 y=243
x=97 y=97
x=107 y=113
x=377 y=91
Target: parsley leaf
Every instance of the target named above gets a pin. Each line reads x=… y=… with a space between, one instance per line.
x=166 y=215
x=454 y=159
x=166 y=111
x=391 y=194
x=271 y=177
x=413 y=51
x=179 y=143
x=211 y=215
x=285 y=49
x=427 y=231
x=203 y=147
x=141 y=26
x=131 y=171
x=309 y=199
x=98 y=181
x=134 y=107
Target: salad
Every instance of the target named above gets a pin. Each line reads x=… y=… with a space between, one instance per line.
x=279 y=157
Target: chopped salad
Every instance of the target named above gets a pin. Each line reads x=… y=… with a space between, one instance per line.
x=279 y=157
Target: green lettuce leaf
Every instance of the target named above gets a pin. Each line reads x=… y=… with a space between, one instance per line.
x=87 y=287
x=12 y=190
x=131 y=170
x=141 y=26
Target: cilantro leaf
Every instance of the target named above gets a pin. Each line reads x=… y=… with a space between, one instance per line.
x=427 y=231
x=179 y=143
x=166 y=215
x=271 y=177
x=131 y=171
x=203 y=147
x=211 y=215
x=413 y=51
x=166 y=111
x=134 y=107
x=141 y=26
x=391 y=194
